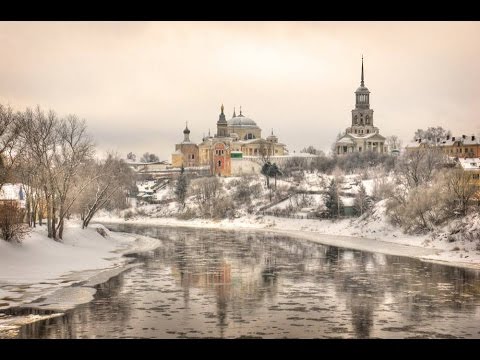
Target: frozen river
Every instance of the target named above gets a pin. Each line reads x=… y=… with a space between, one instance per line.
x=225 y=284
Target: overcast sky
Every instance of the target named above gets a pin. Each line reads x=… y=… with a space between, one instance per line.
x=137 y=83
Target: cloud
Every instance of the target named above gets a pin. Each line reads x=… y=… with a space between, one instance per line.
x=137 y=83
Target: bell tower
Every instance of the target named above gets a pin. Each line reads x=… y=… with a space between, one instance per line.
x=222 y=124
x=362 y=115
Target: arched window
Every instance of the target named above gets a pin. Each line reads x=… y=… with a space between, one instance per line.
x=219 y=163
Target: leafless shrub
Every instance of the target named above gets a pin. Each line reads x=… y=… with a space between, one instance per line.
x=187 y=214
x=12 y=225
x=102 y=232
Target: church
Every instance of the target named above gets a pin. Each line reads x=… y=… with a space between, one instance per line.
x=362 y=135
x=236 y=138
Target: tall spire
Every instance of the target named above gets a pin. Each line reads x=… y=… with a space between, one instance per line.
x=240 y=111
x=362 y=83
x=234 y=115
x=221 y=108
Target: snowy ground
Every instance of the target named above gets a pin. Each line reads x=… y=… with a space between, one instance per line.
x=42 y=270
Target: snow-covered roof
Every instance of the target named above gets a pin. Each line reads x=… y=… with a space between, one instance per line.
x=242 y=121
x=345 y=140
x=130 y=162
x=12 y=192
x=366 y=136
x=470 y=163
x=347 y=201
x=462 y=140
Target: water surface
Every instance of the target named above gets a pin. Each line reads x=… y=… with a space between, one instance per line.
x=225 y=284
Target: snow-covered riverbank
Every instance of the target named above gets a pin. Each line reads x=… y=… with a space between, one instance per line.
x=42 y=270
x=373 y=233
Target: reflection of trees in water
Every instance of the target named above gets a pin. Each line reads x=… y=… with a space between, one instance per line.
x=108 y=306
x=259 y=262
x=360 y=280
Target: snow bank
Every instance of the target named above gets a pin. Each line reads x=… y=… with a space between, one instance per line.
x=41 y=268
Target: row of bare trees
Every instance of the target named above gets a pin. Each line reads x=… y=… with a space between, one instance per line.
x=54 y=158
x=429 y=190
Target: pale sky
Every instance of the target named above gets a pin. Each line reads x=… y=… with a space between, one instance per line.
x=137 y=83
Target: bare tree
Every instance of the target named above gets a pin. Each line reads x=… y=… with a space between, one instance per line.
x=461 y=188
x=131 y=156
x=312 y=150
x=148 y=158
x=394 y=143
x=40 y=134
x=10 y=142
x=417 y=167
x=107 y=185
x=74 y=149
x=28 y=173
x=58 y=149
x=432 y=133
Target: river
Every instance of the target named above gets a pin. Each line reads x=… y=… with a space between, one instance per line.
x=203 y=283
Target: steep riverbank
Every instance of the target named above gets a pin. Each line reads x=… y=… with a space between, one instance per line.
x=57 y=276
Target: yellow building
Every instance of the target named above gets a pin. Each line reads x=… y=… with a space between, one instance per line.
x=472 y=167
x=454 y=146
x=240 y=135
x=186 y=153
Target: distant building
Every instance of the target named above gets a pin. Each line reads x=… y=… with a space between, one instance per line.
x=13 y=193
x=361 y=135
x=454 y=146
x=162 y=169
x=472 y=167
x=238 y=137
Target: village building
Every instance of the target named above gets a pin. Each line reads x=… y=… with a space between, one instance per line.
x=454 y=146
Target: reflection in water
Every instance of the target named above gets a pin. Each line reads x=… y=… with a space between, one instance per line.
x=210 y=283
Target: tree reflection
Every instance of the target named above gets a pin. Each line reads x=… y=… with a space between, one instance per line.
x=240 y=276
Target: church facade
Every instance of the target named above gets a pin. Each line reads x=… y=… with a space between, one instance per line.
x=235 y=138
x=361 y=135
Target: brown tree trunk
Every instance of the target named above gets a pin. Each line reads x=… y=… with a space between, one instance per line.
x=54 y=225
x=49 y=215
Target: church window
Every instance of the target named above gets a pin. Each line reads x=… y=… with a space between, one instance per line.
x=368 y=131
x=219 y=163
x=360 y=149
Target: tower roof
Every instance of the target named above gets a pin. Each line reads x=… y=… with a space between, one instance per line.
x=187 y=130
x=221 y=118
x=362 y=89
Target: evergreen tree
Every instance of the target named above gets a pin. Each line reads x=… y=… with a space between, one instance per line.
x=181 y=187
x=274 y=171
x=362 y=201
x=333 y=203
x=266 y=172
